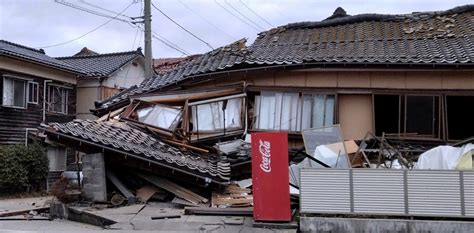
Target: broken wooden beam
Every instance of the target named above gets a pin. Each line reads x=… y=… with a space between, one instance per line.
x=146 y=192
x=246 y=211
x=177 y=190
x=22 y=211
x=131 y=199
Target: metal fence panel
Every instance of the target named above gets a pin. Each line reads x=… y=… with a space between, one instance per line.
x=443 y=193
x=324 y=191
x=468 y=178
x=378 y=191
x=434 y=193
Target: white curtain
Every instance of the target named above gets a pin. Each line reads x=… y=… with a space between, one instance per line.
x=7 y=92
x=277 y=111
x=210 y=117
x=290 y=112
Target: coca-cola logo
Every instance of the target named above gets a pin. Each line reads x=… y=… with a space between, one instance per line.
x=264 y=149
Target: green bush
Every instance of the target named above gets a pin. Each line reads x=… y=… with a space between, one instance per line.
x=21 y=166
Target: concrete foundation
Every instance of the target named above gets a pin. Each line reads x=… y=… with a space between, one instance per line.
x=93 y=183
x=352 y=225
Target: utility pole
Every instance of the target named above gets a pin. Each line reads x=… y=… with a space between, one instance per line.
x=148 y=51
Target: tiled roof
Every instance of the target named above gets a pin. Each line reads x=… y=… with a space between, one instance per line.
x=164 y=65
x=22 y=52
x=100 y=65
x=445 y=37
x=419 y=38
x=85 y=51
x=121 y=136
x=218 y=59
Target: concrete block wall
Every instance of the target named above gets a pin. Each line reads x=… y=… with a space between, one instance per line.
x=93 y=171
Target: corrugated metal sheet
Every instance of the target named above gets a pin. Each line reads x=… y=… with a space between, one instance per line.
x=389 y=192
x=434 y=193
x=469 y=192
x=378 y=191
x=325 y=191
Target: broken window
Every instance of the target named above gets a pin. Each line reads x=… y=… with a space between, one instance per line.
x=410 y=115
x=14 y=92
x=422 y=115
x=459 y=118
x=217 y=116
x=387 y=114
x=292 y=112
x=57 y=98
x=165 y=117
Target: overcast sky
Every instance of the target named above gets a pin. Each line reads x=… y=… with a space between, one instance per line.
x=42 y=23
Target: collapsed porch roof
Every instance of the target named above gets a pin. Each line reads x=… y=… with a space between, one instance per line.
x=120 y=138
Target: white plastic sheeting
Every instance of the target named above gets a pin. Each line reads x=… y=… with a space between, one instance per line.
x=159 y=115
x=326 y=145
x=444 y=157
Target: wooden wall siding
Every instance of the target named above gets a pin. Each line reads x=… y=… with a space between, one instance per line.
x=14 y=121
x=355 y=115
x=434 y=80
x=109 y=91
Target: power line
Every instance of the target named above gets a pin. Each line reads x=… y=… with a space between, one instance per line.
x=172 y=20
x=87 y=33
x=237 y=17
x=104 y=9
x=62 y=2
x=167 y=43
x=207 y=21
x=163 y=40
x=255 y=13
x=243 y=15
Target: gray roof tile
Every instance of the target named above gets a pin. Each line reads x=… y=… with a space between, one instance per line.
x=99 y=65
x=22 y=52
x=445 y=37
x=121 y=136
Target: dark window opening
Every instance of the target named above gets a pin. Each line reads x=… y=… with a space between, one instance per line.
x=410 y=115
x=422 y=115
x=386 y=110
x=459 y=117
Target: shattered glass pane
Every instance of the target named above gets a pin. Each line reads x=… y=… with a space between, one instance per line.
x=326 y=144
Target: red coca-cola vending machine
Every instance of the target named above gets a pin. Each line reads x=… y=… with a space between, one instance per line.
x=270 y=179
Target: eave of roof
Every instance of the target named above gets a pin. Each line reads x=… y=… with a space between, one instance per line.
x=103 y=65
x=268 y=51
x=121 y=138
x=43 y=59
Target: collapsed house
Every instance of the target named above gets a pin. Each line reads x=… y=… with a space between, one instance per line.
x=403 y=78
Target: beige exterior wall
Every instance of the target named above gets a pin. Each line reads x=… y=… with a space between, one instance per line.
x=88 y=91
x=85 y=101
x=127 y=76
x=355 y=115
x=36 y=70
x=435 y=80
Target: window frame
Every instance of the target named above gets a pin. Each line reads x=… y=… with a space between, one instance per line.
x=34 y=84
x=402 y=116
x=299 y=114
x=56 y=153
x=65 y=91
x=25 y=91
